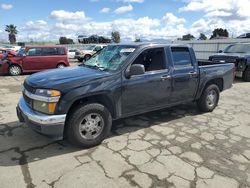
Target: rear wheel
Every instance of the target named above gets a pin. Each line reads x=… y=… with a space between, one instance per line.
x=60 y=66
x=15 y=70
x=246 y=74
x=209 y=98
x=88 y=125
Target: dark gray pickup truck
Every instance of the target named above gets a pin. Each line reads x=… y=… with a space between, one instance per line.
x=80 y=103
x=239 y=54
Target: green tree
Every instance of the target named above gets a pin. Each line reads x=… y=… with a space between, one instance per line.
x=65 y=40
x=219 y=32
x=202 y=37
x=115 y=36
x=137 y=40
x=12 y=30
x=188 y=37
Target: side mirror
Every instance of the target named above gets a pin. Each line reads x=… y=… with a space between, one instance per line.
x=220 y=51
x=135 y=69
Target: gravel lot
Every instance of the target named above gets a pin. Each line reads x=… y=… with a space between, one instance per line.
x=177 y=147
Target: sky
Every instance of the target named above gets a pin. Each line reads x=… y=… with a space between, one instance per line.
x=47 y=20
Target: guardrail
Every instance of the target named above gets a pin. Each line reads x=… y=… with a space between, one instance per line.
x=204 y=48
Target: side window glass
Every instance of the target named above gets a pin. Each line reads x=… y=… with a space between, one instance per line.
x=181 y=57
x=152 y=59
x=60 y=51
x=34 y=52
x=49 y=51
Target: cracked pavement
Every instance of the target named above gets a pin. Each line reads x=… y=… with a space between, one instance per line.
x=176 y=147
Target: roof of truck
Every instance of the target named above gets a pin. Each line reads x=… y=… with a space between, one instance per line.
x=144 y=44
x=45 y=46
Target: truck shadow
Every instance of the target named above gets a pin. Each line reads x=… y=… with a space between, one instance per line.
x=20 y=145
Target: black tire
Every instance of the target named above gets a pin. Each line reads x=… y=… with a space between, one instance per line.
x=60 y=65
x=15 y=70
x=209 y=98
x=80 y=59
x=87 y=57
x=77 y=120
x=246 y=74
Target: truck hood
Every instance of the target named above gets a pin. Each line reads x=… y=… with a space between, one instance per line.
x=232 y=55
x=71 y=77
x=228 y=57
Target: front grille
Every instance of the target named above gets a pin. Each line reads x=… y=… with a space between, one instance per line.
x=226 y=59
x=30 y=89
x=28 y=100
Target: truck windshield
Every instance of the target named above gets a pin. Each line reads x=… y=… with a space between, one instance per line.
x=238 y=48
x=110 y=58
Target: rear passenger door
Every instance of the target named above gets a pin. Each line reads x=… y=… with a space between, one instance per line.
x=184 y=77
x=50 y=57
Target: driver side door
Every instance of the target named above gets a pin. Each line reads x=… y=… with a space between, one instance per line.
x=32 y=61
x=149 y=91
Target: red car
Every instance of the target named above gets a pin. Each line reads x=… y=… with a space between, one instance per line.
x=34 y=59
x=7 y=53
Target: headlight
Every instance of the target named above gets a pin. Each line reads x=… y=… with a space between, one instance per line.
x=45 y=100
x=48 y=93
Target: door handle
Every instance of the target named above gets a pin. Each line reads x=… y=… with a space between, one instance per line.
x=165 y=77
x=192 y=73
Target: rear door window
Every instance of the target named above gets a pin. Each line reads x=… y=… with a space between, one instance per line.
x=53 y=51
x=181 y=57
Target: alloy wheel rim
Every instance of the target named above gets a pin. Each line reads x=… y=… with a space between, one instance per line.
x=15 y=70
x=91 y=126
x=211 y=98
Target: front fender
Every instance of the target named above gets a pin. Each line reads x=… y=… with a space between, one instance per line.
x=104 y=97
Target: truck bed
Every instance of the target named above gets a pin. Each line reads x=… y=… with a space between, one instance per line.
x=210 y=70
x=207 y=62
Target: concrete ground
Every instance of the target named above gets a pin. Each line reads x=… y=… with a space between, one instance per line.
x=177 y=147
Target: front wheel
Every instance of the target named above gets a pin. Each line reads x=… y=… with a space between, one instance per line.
x=88 y=125
x=15 y=70
x=209 y=98
x=87 y=57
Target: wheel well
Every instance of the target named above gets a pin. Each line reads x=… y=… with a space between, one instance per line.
x=14 y=64
x=101 y=99
x=87 y=55
x=61 y=63
x=217 y=81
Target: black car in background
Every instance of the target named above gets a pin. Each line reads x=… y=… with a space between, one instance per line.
x=239 y=54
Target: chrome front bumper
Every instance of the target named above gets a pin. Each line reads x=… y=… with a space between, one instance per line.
x=51 y=125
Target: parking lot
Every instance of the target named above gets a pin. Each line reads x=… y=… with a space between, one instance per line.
x=177 y=147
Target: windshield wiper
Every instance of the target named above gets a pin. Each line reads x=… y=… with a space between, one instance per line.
x=96 y=67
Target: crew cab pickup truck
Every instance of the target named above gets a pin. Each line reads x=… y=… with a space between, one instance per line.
x=239 y=54
x=79 y=103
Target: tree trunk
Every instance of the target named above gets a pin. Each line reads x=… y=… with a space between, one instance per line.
x=12 y=38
